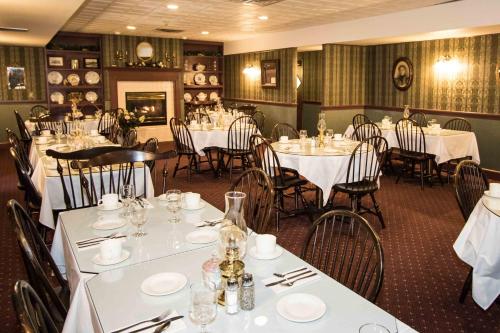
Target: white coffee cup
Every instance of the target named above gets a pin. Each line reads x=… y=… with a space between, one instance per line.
x=42 y=139
x=109 y=200
x=284 y=139
x=192 y=200
x=337 y=137
x=265 y=244
x=94 y=132
x=45 y=133
x=436 y=126
x=111 y=249
x=495 y=190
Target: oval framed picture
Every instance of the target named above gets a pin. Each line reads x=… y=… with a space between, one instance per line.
x=402 y=73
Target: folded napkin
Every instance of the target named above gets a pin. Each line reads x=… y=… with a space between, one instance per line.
x=281 y=288
x=175 y=326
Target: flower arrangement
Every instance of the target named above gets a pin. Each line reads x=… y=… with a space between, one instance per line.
x=128 y=120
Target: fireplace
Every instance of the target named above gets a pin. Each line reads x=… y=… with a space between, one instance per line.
x=152 y=105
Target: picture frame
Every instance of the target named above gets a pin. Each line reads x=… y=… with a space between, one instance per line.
x=270 y=73
x=16 y=79
x=91 y=62
x=402 y=73
x=56 y=61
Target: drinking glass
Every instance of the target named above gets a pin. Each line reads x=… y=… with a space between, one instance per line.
x=203 y=305
x=127 y=195
x=139 y=218
x=173 y=198
x=303 y=135
x=329 y=132
x=59 y=131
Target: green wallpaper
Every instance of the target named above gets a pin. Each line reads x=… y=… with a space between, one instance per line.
x=239 y=86
x=344 y=74
x=475 y=88
x=33 y=61
x=312 y=89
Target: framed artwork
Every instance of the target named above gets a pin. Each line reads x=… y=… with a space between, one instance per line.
x=15 y=78
x=56 y=61
x=402 y=73
x=91 y=62
x=270 y=73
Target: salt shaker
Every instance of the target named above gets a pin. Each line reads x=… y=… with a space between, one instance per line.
x=231 y=296
x=247 y=293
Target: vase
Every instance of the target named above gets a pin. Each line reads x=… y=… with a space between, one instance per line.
x=234 y=229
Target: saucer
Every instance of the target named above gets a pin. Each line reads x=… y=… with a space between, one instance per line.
x=163 y=283
x=118 y=206
x=301 y=308
x=99 y=261
x=108 y=224
x=278 y=251
x=202 y=236
x=201 y=205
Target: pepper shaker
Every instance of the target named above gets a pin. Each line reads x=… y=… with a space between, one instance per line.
x=247 y=293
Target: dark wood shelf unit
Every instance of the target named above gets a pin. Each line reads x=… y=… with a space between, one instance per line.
x=209 y=54
x=74 y=46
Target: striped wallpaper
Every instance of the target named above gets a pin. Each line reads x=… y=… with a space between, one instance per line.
x=475 y=88
x=344 y=74
x=312 y=83
x=33 y=61
x=239 y=86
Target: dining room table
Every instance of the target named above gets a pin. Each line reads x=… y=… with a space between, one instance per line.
x=47 y=181
x=445 y=144
x=89 y=123
x=477 y=245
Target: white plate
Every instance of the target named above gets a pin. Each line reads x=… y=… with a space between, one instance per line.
x=202 y=236
x=55 y=77
x=163 y=284
x=109 y=224
x=118 y=206
x=73 y=79
x=92 y=77
x=99 y=261
x=214 y=96
x=301 y=308
x=91 y=96
x=200 y=79
x=57 y=97
x=188 y=97
x=201 y=205
x=278 y=251
x=201 y=96
x=199 y=67
x=213 y=80
x=487 y=193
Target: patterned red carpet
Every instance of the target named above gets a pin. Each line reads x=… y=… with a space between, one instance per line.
x=423 y=276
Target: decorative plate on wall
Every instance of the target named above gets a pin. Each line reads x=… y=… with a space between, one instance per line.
x=213 y=80
x=188 y=97
x=200 y=79
x=199 y=67
x=73 y=79
x=92 y=77
x=57 y=97
x=91 y=96
x=214 y=96
x=201 y=96
x=55 y=77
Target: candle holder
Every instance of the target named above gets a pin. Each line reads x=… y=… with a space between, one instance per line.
x=321 y=129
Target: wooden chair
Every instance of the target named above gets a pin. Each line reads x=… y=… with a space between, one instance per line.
x=363 y=171
x=238 y=144
x=470 y=184
x=260 y=119
x=412 y=149
x=284 y=129
x=49 y=123
x=129 y=139
x=344 y=246
x=41 y=268
x=360 y=119
x=33 y=315
x=22 y=151
x=456 y=124
x=258 y=187
x=266 y=159
x=151 y=146
x=107 y=124
x=419 y=118
x=23 y=131
x=247 y=109
x=32 y=197
x=365 y=131
x=38 y=111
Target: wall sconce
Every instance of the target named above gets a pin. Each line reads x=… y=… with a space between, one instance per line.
x=251 y=72
x=298 y=82
x=447 y=66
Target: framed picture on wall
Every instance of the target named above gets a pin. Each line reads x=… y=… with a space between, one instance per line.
x=56 y=61
x=402 y=73
x=90 y=62
x=270 y=73
x=15 y=78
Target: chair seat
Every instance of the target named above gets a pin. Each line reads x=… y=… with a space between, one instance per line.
x=416 y=155
x=362 y=187
x=239 y=152
x=287 y=182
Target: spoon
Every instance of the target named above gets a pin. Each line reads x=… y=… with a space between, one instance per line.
x=161 y=317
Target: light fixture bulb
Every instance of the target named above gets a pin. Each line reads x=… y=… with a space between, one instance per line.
x=172 y=6
x=131 y=27
x=205 y=32
x=263 y=18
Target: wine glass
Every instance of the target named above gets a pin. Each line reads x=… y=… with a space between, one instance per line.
x=127 y=195
x=203 y=305
x=173 y=198
x=139 y=218
x=59 y=131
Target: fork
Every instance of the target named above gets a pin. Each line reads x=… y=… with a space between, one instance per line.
x=209 y=224
x=82 y=246
x=91 y=240
x=291 y=283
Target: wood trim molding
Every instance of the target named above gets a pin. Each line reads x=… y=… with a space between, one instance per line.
x=259 y=102
x=492 y=174
x=23 y=102
x=311 y=102
x=116 y=74
x=342 y=107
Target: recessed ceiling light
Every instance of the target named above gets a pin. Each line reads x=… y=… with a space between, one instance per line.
x=205 y=32
x=172 y=6
x=131 y=27
x=117 y=33
x=263 y=18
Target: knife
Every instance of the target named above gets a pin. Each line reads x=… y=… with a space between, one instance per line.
x=287 y=278
x=166 y=321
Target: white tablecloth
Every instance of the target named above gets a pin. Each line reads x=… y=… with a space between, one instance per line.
x=89 y=124
x=211 y=138
x=479 y=246
x=446 y=145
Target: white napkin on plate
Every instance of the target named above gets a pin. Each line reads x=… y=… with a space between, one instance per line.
x=280 y=288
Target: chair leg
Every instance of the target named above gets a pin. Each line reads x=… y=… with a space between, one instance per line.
x=438 y=171
x=377 y=210
x=231 y=170
x=421 y=175
x=176 y=166
x=466 y=287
